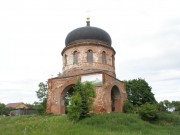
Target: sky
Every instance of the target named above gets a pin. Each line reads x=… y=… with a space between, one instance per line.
x=145 y=35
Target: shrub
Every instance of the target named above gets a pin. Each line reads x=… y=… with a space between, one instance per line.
x=5 y=110
x=81 y=101
x=148 y=112
x=128 y=107
x=74 y=111
x=41 y=107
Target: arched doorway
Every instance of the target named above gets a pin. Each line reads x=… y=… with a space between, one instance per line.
x=115 y=99
x=65 y=96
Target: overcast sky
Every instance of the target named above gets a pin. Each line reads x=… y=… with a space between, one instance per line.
x=145 y=35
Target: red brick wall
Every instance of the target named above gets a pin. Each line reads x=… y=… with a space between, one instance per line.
x=72 y=73
x=83 y=66
x=102 y=103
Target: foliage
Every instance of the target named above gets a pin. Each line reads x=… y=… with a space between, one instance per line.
x=171 y=119
x=30 y=106
x=5 y=110
x=2 y=108
x=128 y=107
x=176 y=105
x=81 y=101
x=162 y=107
x=169 y=106
x=139 y=92
x=104 y=124
x=42 y=92
x=40 y=107
x=148 y=112
x=42 y=95
x=75 y=109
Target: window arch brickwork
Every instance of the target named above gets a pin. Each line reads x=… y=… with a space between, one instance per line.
x=113 y=59
x=65 y=60
x=90 y=56
x=75 y=57
x=103 y=57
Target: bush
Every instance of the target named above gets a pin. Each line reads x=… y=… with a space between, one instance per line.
x=74 y=111
x=128 y=107
x=5 y=110
x=41 y=107
x=81 y=101
x=148 y=112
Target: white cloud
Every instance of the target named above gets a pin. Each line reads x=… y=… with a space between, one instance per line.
x=145 y=35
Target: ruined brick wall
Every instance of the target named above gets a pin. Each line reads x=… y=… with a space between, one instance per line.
x=83 y=66
x=72 y=73
x=56 y=91
x=103 y=100
x=102 y=104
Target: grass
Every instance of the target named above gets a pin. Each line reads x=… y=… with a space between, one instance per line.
x=106 y=124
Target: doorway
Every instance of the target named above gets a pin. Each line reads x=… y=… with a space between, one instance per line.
x=66 y=96
x=115 y=99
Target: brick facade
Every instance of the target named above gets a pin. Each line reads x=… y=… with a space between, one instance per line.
x=110 y=96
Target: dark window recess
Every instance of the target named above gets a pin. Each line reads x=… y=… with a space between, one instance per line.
x=113 y=60
x=103 y=57
x=90 y=56
x=75 y=57
x=65 y=60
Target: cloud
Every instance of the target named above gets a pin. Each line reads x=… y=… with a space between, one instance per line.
x=17 y=95
x=145 y=35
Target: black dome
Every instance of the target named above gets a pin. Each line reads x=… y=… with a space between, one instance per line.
x=88 y=33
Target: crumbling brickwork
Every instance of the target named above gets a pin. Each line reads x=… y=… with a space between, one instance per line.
x=103 y=102
x=83 y=66
x=87 y=58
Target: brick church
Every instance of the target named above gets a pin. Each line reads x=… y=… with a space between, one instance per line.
x=87 y=56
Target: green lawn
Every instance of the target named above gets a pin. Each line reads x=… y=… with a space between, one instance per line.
x=106 y=124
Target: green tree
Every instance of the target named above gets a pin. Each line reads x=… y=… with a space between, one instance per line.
x=139 y=92
x=148 y=112
x=165 y=105
x=42 y=92
x=75 y=109
x=42 y=95
x=128 y=107
x=176 y=105
x=168 y=106
x=4 y=110
x=81 y=101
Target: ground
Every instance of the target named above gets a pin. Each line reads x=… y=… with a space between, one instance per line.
x=104 y=124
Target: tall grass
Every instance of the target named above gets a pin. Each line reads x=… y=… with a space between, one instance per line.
x=105 y=124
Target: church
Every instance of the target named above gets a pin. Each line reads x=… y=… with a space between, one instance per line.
x=87 y=56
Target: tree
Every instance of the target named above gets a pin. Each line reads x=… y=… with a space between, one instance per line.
x=75 y=109
x=5 y=110
x=81 y=101
x=42 y=95
x=165 y=105
x=128 y=107
x=2 y=108
x=139 y=92
x=176 y=105
x=42 y=92
x=148 y=112
x=168 y=106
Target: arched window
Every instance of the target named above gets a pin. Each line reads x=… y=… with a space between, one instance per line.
x=113 y=60
x=75 y=57
x=65 y=60
x=90 y=56
x=103 y=57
